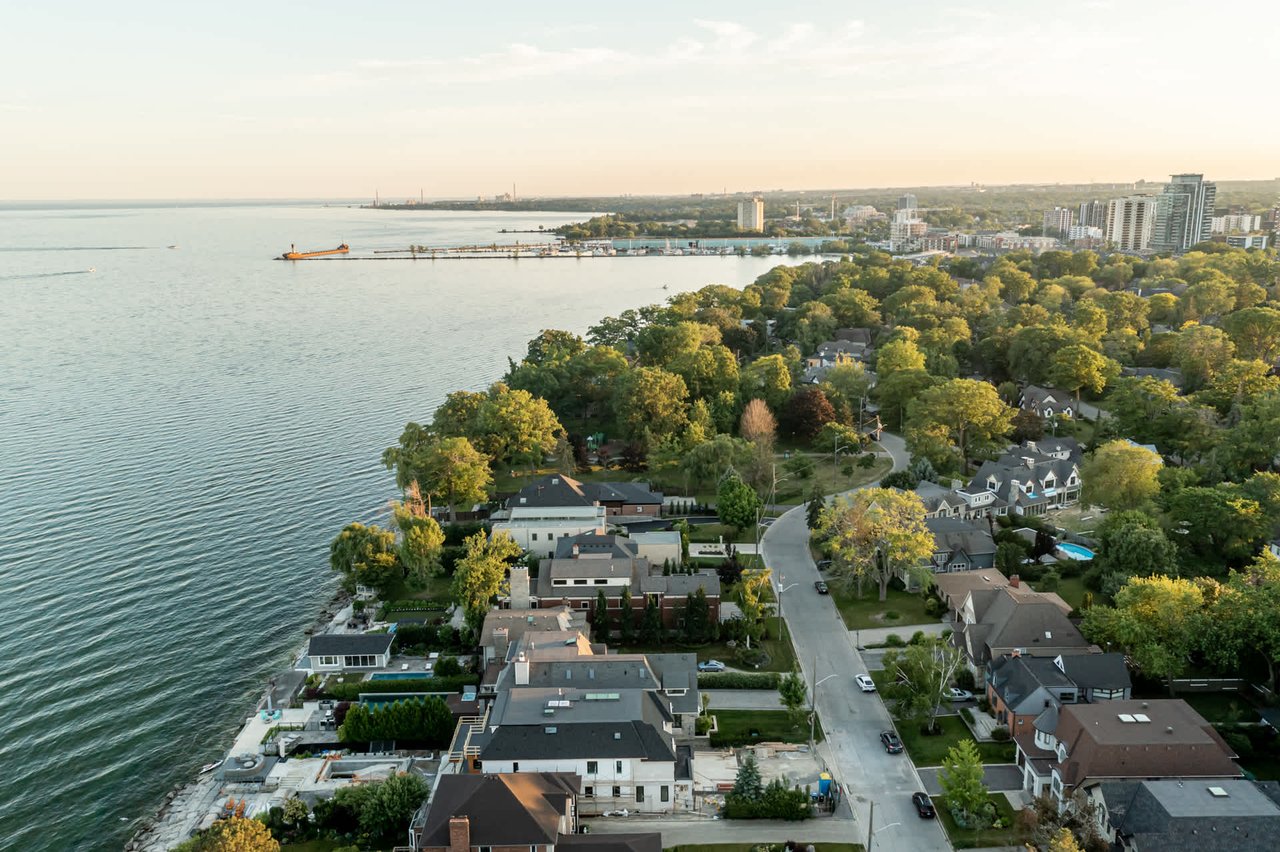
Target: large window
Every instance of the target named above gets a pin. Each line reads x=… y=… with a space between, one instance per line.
x=639 y=793
x=360 y=661
x=593 y=767
x=328 y=661
x=664 y=794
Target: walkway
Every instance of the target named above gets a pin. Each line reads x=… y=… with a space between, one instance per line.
x=697 y=829
x=999 y=778
x=744 y=699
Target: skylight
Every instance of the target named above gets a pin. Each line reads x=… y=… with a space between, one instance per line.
x=1126 y=718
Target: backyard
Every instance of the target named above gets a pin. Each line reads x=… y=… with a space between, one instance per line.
x=1010 y=833
x=764 y=726
x=899 y=608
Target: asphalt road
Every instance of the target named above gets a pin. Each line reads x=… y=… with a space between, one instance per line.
x=851 y=720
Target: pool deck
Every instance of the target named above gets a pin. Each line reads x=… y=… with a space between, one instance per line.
x=249 y=740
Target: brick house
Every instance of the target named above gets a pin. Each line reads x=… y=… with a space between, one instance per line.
x=1020 y=688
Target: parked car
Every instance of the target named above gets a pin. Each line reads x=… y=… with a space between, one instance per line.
x=892 y=744
x=822 y=588
x=865 y=683
x=824 y=564
x=711 y=666
x=924 y=805
x=958 y=694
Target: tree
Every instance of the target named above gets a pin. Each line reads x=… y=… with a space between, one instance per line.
x=1255 y=332
x=1121 y=475
x=515 y=426
x=1131 y=544
x=1027 y=426
x=1076 y=367
x=626 y=615
x=709 y=461
x=651 y=624
x=806 y=412
x=600 y=617
x=896 y=391
x=480 y=575
x=1245 y=617
x=236 y=834
x=1158 y=621
x=877 y=534
x=450 y=470
x=697 y=617
x=384 y=808
x=1010 y=556
x=767 y=378
x=1064 y=841
x=963 y=413
x=737 y=503
x=750 y=600
x=1200 y=353
x=794 y=694
x=748 y=785
x=813 y=509
x=961 y=780
x=922 y=675
x=366 y=556
x=652 y=402
x=847 y=383
x=899 y=355
x=421 y=539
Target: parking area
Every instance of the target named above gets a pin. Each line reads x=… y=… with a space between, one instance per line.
x=999 y=778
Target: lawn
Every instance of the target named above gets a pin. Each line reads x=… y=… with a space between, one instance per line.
x=929 y=751
x=967 y=838
x=433 y=589
x=749 y=847
x=826 y=479
x=782 y=657
x=1221 y=706
x=899 y=608
x=706 y=533
x=1072 y=590
x=768 y=725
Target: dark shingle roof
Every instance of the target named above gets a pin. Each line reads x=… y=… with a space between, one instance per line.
x=508 y=809
x=595 y=544
x=341 y=644
x=560 y=490
x=1097 y=671
x=1184 y=816
x=589 y=739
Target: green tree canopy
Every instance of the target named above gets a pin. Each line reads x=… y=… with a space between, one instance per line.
x=652 y=402
x=961 y=779
x=956 y=420
x=1158 y=621
x=922 y=675
x=1077 y=367
x=1121 y=475
x=877 y=534
x=737 y=503
x=366 y=556
x=480 y=575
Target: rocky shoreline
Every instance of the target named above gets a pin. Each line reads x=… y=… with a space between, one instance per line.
x=189 y=806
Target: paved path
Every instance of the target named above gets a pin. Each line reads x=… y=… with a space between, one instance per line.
x=744 y=699
x=851 y=720
x=999 y=778
x=701 y=829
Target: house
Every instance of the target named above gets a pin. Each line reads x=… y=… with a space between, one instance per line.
x=954 y=588
x=659 y=546
x=1047 y=402
x=537 y=529
x=1168 y=815
x=1022 y=687
x=342 y=652
x=996 y=622
x=504 y=628
x=1077 y=746
x=861 y=336
x=576 y=581
x=512 y=812
x=960 y=544
x=622 y=500
x=1030 y=479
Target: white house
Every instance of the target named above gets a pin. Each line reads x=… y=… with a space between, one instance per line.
x=538 y=528
x=341 y=652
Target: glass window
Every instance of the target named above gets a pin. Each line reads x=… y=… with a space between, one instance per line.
x=664 y=793
x=589 y=792
x=592 y=767
x=617 y=792
x=533 y=537
x=639 y=793
x=515 y=767
x=617 y=766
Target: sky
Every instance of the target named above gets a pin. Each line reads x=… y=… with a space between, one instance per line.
x=342 y=100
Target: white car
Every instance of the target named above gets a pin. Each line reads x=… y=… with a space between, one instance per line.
x=961 y=694
x=865 y=683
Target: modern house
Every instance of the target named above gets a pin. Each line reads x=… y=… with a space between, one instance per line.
x=512 y=812
x=537 y=529
x=1047 y=402
x=993 y=623
x=334 y=653
x=1021 y=688
x=504 y=628
x=621 y=500
x=1078 y=746
x=1224 y=815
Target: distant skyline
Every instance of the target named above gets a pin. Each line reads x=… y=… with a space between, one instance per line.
x=150 y=100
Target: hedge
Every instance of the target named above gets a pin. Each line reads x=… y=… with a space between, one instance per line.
x=350 y=690
x=738 y=680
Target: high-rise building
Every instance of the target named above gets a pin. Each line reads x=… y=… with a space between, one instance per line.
x=751 y=214
x=1130 y=222
x=1234 y=223
x=907 y=201
x=1184 y=215
x=1057 y=222
x=1092 y=214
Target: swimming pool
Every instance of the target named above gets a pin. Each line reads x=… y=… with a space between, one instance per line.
x=400 y=676
x=1075 y=551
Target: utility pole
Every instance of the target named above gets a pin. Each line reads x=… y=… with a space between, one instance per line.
x=870 y=817
x=813 y=699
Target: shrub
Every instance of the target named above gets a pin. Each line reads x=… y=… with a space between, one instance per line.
x=448 y=667
x=1071 y=567
x=934 y=606
x=892 y=615
x=1239 y=743
x=738 y=680
x=964 y=679
x=966 y=714
x=701 y=725
x=350 y=690
x=1049 y=581
x=984 y=705
x=917 y=638
x=893 y=640
x=1000 y=735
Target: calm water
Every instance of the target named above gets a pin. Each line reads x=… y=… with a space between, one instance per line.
x=183 y=431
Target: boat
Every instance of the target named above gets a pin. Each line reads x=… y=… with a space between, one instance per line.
x=294 y=254
x=209 y=767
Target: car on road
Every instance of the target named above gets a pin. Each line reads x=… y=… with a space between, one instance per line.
x=865 y=683
x=892 y=743
x=958 y=694
x=822 y=588
x=924 y=805
x=711 y=666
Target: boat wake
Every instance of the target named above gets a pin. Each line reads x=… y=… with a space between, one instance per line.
x=37 y=275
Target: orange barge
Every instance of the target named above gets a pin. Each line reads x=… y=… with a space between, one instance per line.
x=294 y=254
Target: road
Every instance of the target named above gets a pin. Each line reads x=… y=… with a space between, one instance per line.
x=851 y=720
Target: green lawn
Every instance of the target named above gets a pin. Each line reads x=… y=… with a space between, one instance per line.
x=433 y=589
x=1008 y=835
x=1072 y=590
x=769 y=725
x=828 y=480
x=929 y=751
x=705 y=533
x=782 y=657
x=899 y=608
x=1221 y=706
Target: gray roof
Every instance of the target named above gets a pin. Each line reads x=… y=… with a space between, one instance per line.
x=560 y=490
x=1054 y=400
x=349 y=644
x=1097 y=671
x=960 y=535
x=1187 y=816
x=594 y=544
x=613 y=672
x=1034 y=623
x=587 y=702
x=508 y=809
x=1023 y=682
x=606 y=740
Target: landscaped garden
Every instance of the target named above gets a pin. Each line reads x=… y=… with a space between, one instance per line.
x=1009 y=833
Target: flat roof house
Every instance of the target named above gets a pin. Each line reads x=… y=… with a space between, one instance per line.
x=341 y=652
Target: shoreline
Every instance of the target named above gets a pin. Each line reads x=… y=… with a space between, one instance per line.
x=188 y=806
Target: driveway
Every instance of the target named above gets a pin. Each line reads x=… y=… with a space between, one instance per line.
x=999 y=778
x=851 y=720
x=744 y=699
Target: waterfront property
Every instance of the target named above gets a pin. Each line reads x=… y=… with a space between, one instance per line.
x=334 y=653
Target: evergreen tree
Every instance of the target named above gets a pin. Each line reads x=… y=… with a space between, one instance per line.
x=627 y=617
x=747 y=785
x=600 y=617
x=813 y=510
x=697 y=617
x=651 y=627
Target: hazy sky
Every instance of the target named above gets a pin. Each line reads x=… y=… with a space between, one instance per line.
x=232 y=99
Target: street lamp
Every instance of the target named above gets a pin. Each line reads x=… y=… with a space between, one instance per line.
x=813 y=701
x=781 y=588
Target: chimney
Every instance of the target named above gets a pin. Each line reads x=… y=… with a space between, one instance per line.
x=1014 y=581
x=459 y=834
x=519 y=586
x=522 y=670
x=576 y=551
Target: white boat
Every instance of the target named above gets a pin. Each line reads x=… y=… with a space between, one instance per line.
x=209 y=767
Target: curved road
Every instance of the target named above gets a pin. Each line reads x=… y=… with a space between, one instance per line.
x=851 y=720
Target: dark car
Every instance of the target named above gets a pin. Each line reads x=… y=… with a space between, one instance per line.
x=924 y=805
x=892 y=744
x=822 y=588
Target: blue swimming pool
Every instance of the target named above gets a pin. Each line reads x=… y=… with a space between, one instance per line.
x=1075 y=551
x=400 y=676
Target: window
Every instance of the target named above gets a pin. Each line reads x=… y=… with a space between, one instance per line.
x=639 y=793
x=593 y=767
x=601 y=582
x=617 y=766
x=617 y=792
x=639 y=509
x=534 y=537
x=515 y=767
x=589 y=792
x=328 y=661
x=664 y=793
x=582 y=582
